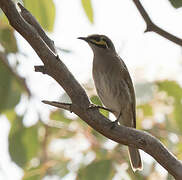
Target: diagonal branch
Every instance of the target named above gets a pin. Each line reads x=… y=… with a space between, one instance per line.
x=152 y=27
x=32 y=21
x=54 y=67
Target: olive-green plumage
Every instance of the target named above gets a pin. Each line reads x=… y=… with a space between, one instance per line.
x=114 y=86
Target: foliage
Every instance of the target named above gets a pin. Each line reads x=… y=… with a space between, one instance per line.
x=10 y=91
x=23 y=142
x=8 y=39
x=87 y=6
x=101 y=169
x=43 y=10
x=176 y=3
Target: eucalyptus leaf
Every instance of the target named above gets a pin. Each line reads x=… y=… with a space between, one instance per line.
x=95 y=100
x=23 y=142
x=10 y=90
x=97 y=170
x=44 y=12
x=176 y=3
x=8 y=40
x=87 y=6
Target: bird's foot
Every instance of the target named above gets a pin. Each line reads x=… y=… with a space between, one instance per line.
x=114 y=123
x=93 y=106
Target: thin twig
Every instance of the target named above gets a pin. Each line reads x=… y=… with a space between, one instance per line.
x=152 y=27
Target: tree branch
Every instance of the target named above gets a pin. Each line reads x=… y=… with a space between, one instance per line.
x=80 y=102
x=65 y=106
x=152 y=27
x=32 y=21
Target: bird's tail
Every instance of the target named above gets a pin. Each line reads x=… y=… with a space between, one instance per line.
x=135 y=159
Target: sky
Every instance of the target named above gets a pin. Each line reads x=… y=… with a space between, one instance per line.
x=148 y=56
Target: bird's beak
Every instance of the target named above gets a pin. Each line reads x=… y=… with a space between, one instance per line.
x=83 y=38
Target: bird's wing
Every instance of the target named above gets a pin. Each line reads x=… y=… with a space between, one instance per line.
x=129 y=83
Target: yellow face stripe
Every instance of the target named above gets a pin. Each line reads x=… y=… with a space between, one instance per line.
x=101 y=42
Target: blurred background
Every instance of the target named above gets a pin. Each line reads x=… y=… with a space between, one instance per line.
x=41 y=142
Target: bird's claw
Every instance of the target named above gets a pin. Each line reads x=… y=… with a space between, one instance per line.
x=70 y=108
x=114 y=123
x=93 y=106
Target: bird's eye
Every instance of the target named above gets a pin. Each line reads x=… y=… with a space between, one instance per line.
x=97 y=39
x=104 y=39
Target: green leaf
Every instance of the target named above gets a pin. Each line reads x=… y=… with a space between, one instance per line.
x=176 y=3
x=7 y=39
x=4 y=21
x=87 y=6
x=96 y=100
x=97 y=171
x=10 y=91
x=32 y=174
x=44 y=12
x=104 y=113
x=23 y=142
x=11 y=115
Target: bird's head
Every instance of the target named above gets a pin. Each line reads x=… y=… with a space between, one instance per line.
x=99 y=43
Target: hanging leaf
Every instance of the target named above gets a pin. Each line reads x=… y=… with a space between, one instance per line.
x=23 y=142
x=97 y=171
x=87 y=6
x=176 y=3
x=44 y=12
x=8 y=40
x=10 y=91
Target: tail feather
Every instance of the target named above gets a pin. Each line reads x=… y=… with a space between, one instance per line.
x=135 y=159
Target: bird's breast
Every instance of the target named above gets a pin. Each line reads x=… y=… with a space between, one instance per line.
x=108 y=88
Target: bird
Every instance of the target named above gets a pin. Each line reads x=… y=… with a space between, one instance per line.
x=114 y=86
